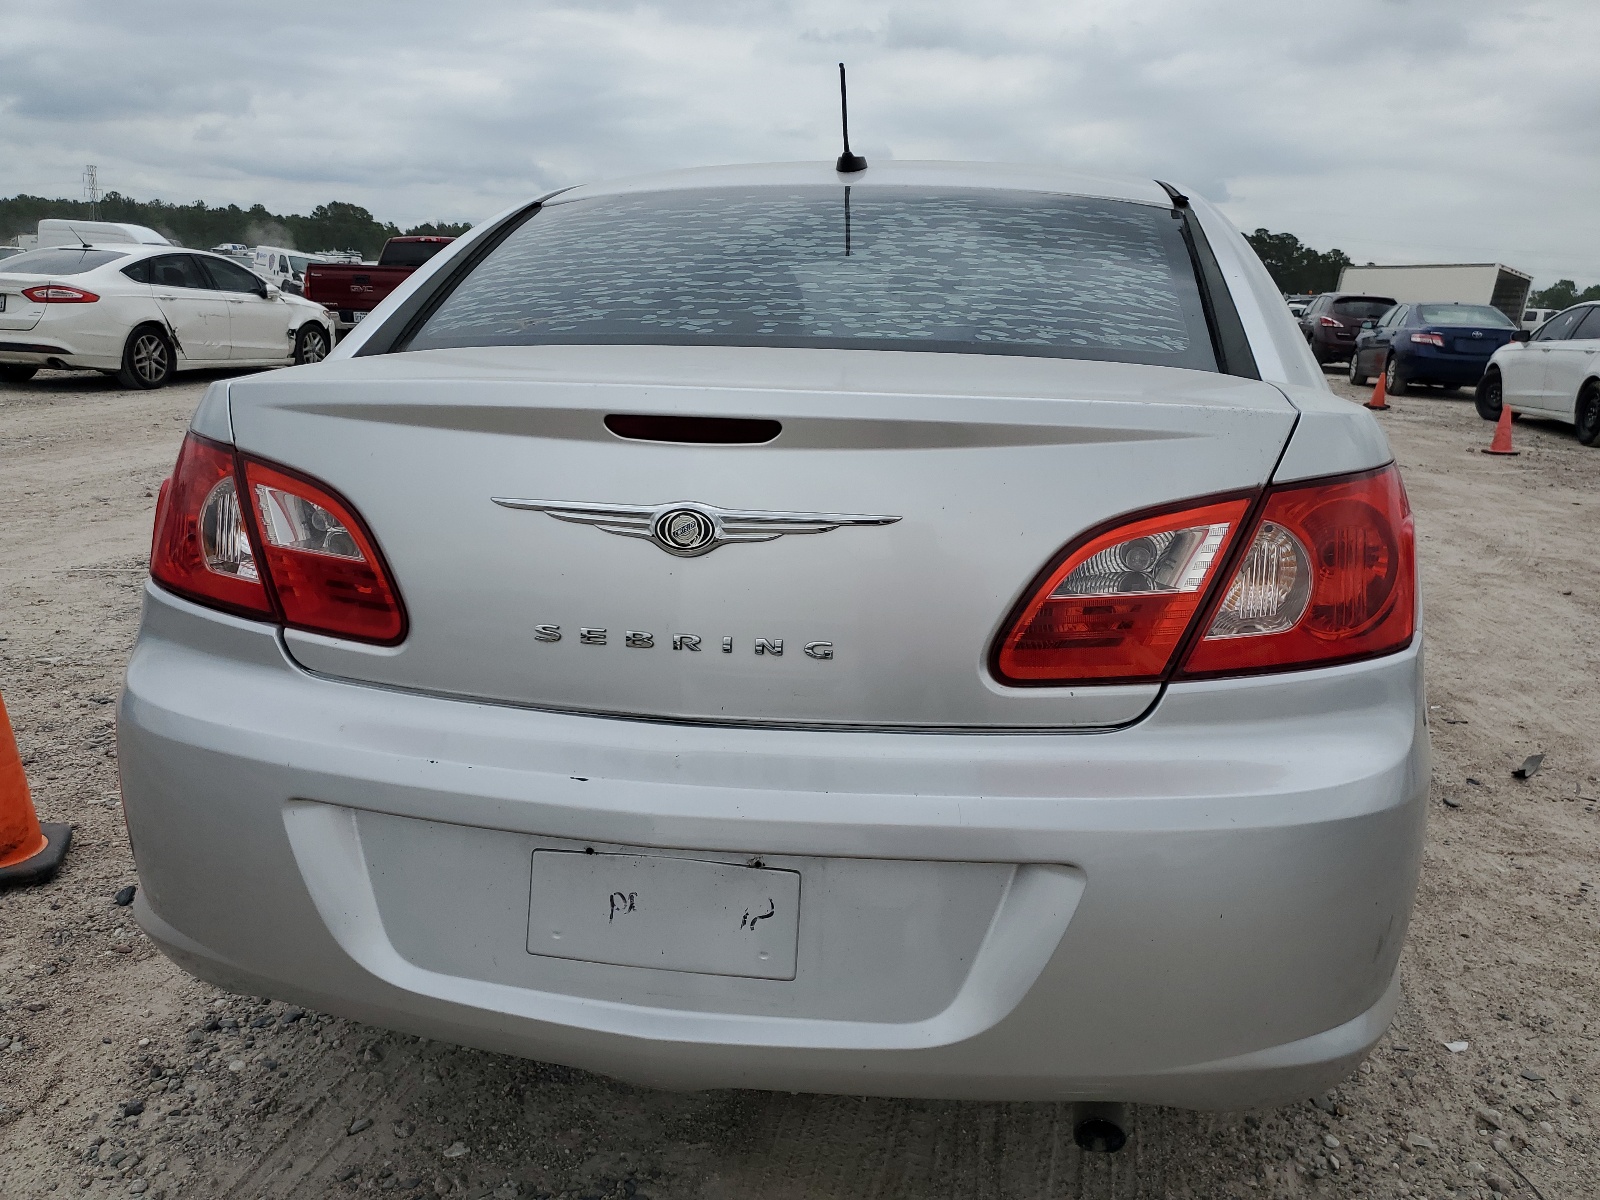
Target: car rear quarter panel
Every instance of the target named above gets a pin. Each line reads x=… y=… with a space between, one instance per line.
x=1332 y=436
x=99 y=331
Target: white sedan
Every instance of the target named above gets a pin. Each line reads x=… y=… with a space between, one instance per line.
x=1555 y=374
x=142 y=313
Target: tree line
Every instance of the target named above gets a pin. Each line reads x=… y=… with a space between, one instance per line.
x=332 y=226
x=1296 y=268
x=1563 y=293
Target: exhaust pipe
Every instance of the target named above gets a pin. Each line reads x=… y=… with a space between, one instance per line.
x=55 y=364
x=1100 y=1128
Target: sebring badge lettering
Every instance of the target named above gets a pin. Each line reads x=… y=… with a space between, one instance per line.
x=640 y=639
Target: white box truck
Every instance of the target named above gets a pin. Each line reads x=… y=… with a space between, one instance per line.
x=58 y=232
x=1506 y=288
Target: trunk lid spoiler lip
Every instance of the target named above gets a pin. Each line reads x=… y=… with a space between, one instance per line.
x=810 y=371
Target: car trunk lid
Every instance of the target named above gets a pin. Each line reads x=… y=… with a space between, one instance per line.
x=1480 y=343
x=937 y=486
x=20 y=313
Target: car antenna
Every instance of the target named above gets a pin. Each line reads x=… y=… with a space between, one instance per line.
x=848 y=163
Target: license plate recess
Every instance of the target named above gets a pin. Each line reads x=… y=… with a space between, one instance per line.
x=665 y=912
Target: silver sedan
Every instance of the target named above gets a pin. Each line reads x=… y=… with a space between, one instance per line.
x=926 y=632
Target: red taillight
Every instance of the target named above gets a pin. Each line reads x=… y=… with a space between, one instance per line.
x=1429 y=339
x=59 y=293
x=1116 y=606
x=1330 y=323
x=1328 y=575
x=296 y=553
x=202 y=547
x=323 y=564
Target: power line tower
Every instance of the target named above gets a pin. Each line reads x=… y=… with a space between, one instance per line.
x=91 y=189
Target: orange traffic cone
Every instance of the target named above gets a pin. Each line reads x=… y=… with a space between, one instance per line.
x=1379 y=401
x=1502 y=433
x=29 y=852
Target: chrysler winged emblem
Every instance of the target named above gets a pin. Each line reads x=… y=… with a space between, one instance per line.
x=688 y=528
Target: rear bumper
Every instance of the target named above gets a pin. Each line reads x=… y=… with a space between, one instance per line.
x=1443 y=368
x=1205 y=909
x=27 y=350
x=341 y=316
x=346 y=319
x=1332 y=345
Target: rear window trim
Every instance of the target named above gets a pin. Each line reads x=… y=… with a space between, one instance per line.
x=1426 y=319
x=1230 y=344
x=1384 y=300
x=402 y=253
x=8 y=265
x=416 y=310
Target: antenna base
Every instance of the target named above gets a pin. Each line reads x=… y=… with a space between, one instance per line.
x=850 y=164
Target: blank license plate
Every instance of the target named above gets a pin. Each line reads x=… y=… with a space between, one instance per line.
x=673 y=914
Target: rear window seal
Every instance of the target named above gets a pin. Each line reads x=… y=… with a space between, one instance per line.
x=1229 y=342
x=418 y=307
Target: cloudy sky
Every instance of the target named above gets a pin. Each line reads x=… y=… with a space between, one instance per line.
x=1397 y=130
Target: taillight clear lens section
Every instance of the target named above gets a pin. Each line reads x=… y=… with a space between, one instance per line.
x=1329 y=576
x=59 y=293
x=224 y=541
x=323 y=564
x=1429 y=339
x=1269 y=591
x=1116 y=608
x=296 y=552
x=293 y=522
x=201 y=550
x=1174 y=560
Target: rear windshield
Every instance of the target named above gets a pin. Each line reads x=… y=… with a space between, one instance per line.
x=58 y=260
x=1463 y=314
x=885 y=268
x=409 y=254
x=1362 y=308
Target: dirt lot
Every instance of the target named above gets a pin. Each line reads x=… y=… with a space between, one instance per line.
x=118 y=1074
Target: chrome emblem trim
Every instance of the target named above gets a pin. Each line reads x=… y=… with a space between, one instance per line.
x=688 y=528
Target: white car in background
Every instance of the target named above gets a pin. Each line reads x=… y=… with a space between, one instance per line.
x=142 y=313
x=1556 y=373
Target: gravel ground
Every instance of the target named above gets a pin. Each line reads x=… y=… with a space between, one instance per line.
x=120 y=1075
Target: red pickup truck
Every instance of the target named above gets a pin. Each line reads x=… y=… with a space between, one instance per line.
x=351 y=290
